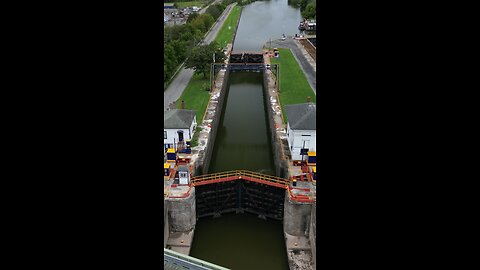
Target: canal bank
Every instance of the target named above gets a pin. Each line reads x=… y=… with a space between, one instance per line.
x=238 y=144
x=242 y=241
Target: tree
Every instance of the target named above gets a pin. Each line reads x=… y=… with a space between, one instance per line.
x=310 y=11
x=191 y=17
x=201 y=57
x=202 y=22
x=303 y=4
x=215 y=11
x=208 y=21
x=170 y=60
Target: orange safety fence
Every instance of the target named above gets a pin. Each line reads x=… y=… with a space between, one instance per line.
x=239 y=174
x=301 y=198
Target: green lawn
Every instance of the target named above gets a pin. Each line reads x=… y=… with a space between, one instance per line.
x=195 y=96
x=181 y=5
x=294 y=87
x=225 y=35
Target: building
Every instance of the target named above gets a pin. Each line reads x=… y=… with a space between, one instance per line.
x=301 y=129
x=179 y=125
x=183 y=175
x=168 y=6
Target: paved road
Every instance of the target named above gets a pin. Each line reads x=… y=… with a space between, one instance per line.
x=307 y=68
x=178 y=85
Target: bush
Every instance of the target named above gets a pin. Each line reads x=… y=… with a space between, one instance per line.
x=310 y=11
x=215 y=11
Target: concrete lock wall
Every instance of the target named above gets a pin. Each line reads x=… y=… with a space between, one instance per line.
x=313 y=234
x=281 y=166
x=205 y=165
x=296 y=217
x=181 y=213
x=166 y=231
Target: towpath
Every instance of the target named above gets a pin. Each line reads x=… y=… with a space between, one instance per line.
x=180 y=82
x=307 y=64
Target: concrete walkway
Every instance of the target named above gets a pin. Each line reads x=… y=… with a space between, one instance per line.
x=180 y=82
x=307 y=64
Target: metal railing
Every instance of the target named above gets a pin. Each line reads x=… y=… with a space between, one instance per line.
x=177 y=260
x=238 y=174
x=266 y=179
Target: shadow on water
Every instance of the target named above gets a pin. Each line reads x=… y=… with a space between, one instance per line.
x=241 y=241
x=242 y=140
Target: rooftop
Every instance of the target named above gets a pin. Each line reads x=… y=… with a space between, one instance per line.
x=302 y=116
x=178 y=118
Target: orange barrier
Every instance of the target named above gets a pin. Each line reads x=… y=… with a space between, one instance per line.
x=186 y=194
x=239 y=174
x=300 y=198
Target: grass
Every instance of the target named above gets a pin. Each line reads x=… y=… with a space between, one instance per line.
x=195 y=96
x=181 y=5
x=225 y=35
x=294 y=87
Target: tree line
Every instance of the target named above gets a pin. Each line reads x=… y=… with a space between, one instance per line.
x=308 y=8
x=180 y=40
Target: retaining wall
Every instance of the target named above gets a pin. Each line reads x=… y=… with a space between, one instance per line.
x=313 y=234
x=166 y=231
x=182 y=213
x=203 y=163
x=296 y=217
x=281 y=165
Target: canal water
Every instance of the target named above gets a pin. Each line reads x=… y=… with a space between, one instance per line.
x=265 y=20
x=243 y=241
x=242 y=140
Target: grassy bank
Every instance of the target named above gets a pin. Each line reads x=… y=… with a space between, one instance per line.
x=181 y=5
x=195 y=95
x=294 y=87
x=225 y=35
x=196 y=98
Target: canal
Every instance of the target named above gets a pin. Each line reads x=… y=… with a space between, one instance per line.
x=243 y=241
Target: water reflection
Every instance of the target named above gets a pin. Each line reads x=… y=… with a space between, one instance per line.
x=263 y=20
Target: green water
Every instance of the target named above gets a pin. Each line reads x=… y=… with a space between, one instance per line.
x=243 y=241
x=242 y=140
x=240 y=241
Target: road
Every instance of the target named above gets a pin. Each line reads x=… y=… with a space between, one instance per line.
x=298 y=53
x=180 y=82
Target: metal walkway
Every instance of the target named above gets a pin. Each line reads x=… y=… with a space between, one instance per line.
x=173 y=260
x=240 y=174
x=296 y=193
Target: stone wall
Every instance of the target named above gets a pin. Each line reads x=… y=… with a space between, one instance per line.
x=281 y=165
x=207 y=155
x=182 y=213
x=296 y=217
x=166 y=231
x=313 y=234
